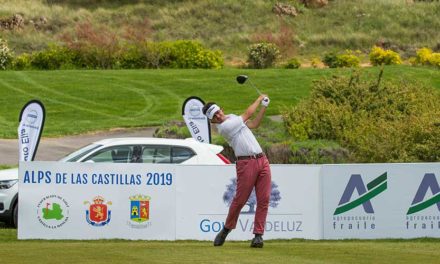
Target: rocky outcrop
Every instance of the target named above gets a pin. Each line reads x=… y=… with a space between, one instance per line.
x=15 y=22
x=284 y=9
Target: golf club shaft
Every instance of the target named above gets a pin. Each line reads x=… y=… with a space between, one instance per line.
x=256 y=89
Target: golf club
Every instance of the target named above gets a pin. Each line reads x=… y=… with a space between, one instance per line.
x=241 y=79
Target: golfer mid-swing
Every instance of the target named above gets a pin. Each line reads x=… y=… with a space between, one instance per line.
x=252 y=165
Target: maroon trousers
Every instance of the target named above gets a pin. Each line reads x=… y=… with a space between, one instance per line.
x=250 y=173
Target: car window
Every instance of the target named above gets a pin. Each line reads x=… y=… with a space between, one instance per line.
x=136 y=156
x=142 y=154
x=180 y=154
x=115 y=154
x=156 y=154
x=75 y=156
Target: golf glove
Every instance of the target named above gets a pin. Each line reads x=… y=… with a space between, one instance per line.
x=265 y=102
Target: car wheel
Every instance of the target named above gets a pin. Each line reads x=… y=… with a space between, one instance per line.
x=15 y=215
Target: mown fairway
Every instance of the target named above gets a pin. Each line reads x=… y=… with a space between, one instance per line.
x=277 y=251
x=78 y=101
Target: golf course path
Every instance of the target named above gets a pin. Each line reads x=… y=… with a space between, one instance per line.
x=56 y=148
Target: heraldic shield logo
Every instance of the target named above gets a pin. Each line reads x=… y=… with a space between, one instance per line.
x=139 y=208
x=98 y=213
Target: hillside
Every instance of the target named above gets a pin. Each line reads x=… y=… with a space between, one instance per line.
x=228 y=25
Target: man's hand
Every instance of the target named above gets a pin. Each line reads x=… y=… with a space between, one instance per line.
x=261 y=97
x=265 y=102
x=253 y=107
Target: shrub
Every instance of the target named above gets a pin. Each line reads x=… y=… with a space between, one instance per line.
x=54 y=57
x=314 y=152
x=173 y=129
x=435 y=60
x=347 y=59
x=293 y=63
x=379 y=56
x=178 y=54
x=377 y=122
x=22 y=62
x=425 y=56
x=330 y=60
x=279 y=153
x=262 y=55
x=5 y=54
x=159 y=54
x=191 y=54
x=134 y=57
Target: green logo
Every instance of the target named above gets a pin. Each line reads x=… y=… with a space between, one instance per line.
x=55 y=213
x=419 y=203
x=375 y=187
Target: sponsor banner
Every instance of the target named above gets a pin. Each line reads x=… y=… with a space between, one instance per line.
x=31 y=125
x=381 y=201
x=166 y=202
x=204 y=192
x=197 y=123
x=96 y=201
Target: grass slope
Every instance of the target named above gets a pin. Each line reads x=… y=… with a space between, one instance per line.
x=275 y=251
x=78 y=101
x=231 y=25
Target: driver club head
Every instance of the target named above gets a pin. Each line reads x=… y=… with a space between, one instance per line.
x=242 y=79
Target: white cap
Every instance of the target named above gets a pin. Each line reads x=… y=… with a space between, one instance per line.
x=212 y=110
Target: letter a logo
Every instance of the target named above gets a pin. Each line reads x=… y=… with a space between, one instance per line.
x=429 y=182
x=375 y=187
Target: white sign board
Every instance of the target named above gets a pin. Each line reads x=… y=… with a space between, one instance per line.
x=381 y=201
x=203 y=193
x=94 y=201
x=165 y=202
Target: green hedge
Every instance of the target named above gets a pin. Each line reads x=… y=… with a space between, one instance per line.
x=177 y=54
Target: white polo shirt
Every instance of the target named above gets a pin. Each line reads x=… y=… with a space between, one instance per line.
x=239 y=136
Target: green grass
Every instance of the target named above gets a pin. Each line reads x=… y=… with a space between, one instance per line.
x=79 y=101
x=274 y=251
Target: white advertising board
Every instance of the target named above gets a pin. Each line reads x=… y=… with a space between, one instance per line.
x=203 y=193
x=96 y=201
x=381 y=201
x=165 y=202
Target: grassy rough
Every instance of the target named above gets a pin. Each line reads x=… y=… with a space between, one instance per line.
x=232 y=26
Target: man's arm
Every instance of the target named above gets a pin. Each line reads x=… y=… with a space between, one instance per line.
x=255 y=123
x=250 y=112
